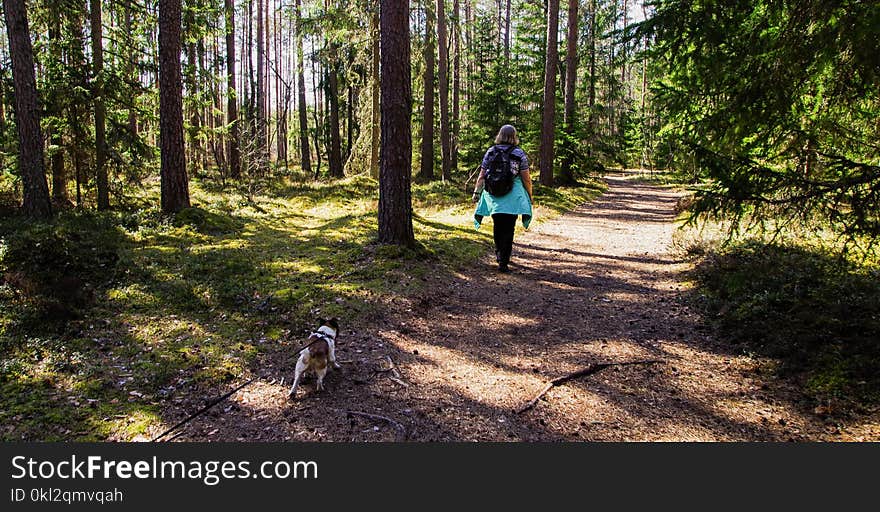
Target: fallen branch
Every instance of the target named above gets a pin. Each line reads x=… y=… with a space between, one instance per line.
x=589 y=370
x=397 y=425
x=398 y=381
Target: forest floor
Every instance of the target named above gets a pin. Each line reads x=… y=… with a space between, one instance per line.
x=457 y=360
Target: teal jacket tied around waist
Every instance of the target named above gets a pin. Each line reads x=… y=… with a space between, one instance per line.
x=515 y=202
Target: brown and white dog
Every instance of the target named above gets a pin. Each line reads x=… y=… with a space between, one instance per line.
x=320 y=353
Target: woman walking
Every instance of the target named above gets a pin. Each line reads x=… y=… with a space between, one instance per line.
x=503 y=191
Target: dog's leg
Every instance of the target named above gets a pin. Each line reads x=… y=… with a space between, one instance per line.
x=321 y=372
x=333 y=356
x=300 y=368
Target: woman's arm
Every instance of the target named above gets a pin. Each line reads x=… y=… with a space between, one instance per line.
x=527 y=181
x=481 y=183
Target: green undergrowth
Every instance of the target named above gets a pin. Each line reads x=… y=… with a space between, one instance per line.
x=815 y=311
x=108 y=318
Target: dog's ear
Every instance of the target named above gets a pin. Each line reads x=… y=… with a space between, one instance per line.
x=334 y=323
x=321 y=322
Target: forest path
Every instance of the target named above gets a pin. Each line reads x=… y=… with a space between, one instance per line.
x=599 y=284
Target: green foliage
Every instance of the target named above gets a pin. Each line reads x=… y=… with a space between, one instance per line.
x=52 y=270
x=775 y=105
x=815 y=312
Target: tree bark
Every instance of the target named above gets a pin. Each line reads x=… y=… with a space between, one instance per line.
x=426 y=170
x=592 y=94
x=549 y=104
x=335 y=157
x=456 y=84
x=175 y=184
x=232 y=94
x=507 y=34
x=35 y=189
x=443 y=89
x=100 y=108
x=571 y=63
x=395 y=200
x=261 y=139
x=305 y=151
x=374 y=92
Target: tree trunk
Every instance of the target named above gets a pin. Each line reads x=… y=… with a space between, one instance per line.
x=281 y=140
x=77 y=112
x=195 y=143
x=507 y=34
x=623 y=50
x=395 y=200
x=571 y=63
x=59 y=177
x=426 y=170
x=35 y=189
x=350 y=122
x=443 y=89
x=456 y=84
x=549 y=104
x=232 y=94
x=175 y=185
x=592 y=94
x=317 y=115
x=335 y=156
x=305 y=152
x=100 y=107
x=262 y=143
x=130 y=72
x=374 y=92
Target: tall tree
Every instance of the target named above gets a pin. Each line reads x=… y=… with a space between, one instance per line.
x=374 y=92
x=175 y=184
x=97 y=31
x=549 y=104
x=592 y=92
x=232 y=93
x=305 y=152
x=426 y=170
x=335 y=156
x=443 y=90
x=571 y=62
x=35 y=189
x=507 y=34
x=456 y=83
x=262 y=124
x=395 y=199
x=59 y=177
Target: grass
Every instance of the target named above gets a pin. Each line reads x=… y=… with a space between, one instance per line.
x=107 y=319
x=814 y=310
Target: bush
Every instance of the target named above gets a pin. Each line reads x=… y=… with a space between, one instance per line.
x=818 y=313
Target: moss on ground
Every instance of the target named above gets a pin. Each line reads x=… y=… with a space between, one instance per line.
x=105 y=318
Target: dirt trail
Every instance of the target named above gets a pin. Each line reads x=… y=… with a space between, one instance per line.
x=599 y=284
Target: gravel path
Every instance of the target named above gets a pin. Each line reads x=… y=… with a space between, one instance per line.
x=599 y=284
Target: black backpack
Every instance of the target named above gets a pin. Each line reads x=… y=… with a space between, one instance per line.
x=499 y=175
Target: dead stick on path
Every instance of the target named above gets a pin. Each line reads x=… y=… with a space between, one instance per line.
x=589 y=370
x=397 y=425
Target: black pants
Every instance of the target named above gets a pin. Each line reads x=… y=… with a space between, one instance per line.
x=503 y=224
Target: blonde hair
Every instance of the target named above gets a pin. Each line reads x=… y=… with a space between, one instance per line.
x=507 y=135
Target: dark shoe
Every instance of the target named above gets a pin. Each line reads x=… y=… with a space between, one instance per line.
x=503 y=269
